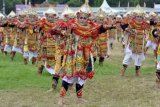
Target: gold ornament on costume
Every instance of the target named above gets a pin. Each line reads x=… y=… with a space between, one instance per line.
x=138 y=11
x=129 y=13
x=152 y=14
x=100 y=14
x=67 y=12
x=22 y=13
x=84 y=10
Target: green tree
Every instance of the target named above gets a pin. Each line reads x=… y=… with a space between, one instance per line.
x=53 y=1
x=97 y=3
x=74 y=3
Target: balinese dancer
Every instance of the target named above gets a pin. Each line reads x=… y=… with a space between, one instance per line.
x=31 y=37
x=135 y=47
x=50 y=46
x=156 y=35
x=47 y=49
x=124 y=25
x=19 y=34
x=118 y=27
x=111 y=30
x=9 y=32
x=77 y=63
x=2 y=22
x=151 y=42
x=66 y=16
x=102 y=37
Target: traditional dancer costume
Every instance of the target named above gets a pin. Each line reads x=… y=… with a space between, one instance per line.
x=51 y=44
x=102 y=39
x=151 y=42
x=135 y=48
x=9 y=32
x=156 y=35
x=118 y=27
x=124 y=25
x=78 y=61
x=31 y=37
x=111 y=31
x=2 y=22
x=19 y=34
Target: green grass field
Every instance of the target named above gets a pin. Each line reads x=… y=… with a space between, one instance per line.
x=21 y=86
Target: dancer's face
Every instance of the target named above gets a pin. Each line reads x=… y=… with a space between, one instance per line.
x=22 y=17
x=50 y=17
x=83 y=20
x=139 y=18
x=33 y=18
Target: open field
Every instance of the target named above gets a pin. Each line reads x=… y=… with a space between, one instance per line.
x=21 y=86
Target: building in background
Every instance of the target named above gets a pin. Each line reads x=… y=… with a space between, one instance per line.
x=157 y=8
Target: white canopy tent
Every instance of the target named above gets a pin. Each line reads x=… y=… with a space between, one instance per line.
x=106 y=8
x=1 y=15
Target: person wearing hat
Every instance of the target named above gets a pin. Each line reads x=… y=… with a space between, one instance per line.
x=135 y=48
x=9 y=32
x=151 y=41
x=125 y=35
x=102 y=37
x=118 y=27
x=50 y=44
x=31 y=38
x=77 y=64
x=156 y=35
x=67 y=16
x=111 y=30
x=19 y=34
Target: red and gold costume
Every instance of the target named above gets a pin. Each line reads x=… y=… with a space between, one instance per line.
x=156 y=35
x=77 y=64
x=2 y=24
x=78 y=50
x=151 y=41
x=136 y=42
x=1 y=38
x=20 y=33
x=9 y=32
x=102 y=39
x=50 y=43
x=31 y=38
